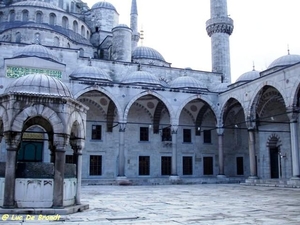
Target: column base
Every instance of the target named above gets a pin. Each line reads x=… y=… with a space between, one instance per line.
x=174 y=179
x=123 y=180
x=221 y=176
x=295 y=178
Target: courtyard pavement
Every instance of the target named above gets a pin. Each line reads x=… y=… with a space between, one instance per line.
x=225 y=204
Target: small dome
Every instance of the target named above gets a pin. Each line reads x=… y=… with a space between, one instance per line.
x=186 y=82
x=39 y=85
x=105 y=5
x=90 y=73
x=142 y=52
x=37 y=4
x=286 y=60
x=248 y=76
x=35 y=50
x=141 y=77
x=221 y=87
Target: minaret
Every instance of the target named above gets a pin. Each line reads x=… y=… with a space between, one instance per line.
x=219 y=27
x=134 y=25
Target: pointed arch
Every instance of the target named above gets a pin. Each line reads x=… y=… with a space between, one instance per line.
x=158 y=96
x=76 y=120
x=58 y=125
x=274 y=141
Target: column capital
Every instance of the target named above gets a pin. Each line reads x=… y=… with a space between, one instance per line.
x=12 y=139
x=220 y=131
x=77 y=144
x=60 y=141
x=174 y=128
x=292 y=113
x=122 y=127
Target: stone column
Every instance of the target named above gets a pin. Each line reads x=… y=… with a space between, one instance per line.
x=77 y=146
x=12 y=140
x=295 y=147
x=174 y=178
x=253 y=172
x=121 y=162
x=59 y=172
x=221 y=153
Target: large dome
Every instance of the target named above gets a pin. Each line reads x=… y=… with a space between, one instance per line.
x=286 y=60
x=38 y=85
x=37 y=4
x=105 y=5
x=90 y=73
x=248 y=76
x=35 y=50
x=141 y=77
x=187 y=82
x=142 y=52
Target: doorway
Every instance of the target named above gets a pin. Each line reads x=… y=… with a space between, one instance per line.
x=274 y=162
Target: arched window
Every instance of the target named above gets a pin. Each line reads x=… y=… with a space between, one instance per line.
x=25 y=15
x=39 y=17
x=75 y=26
x=65 y=22
x=56 y=41
x=69 y=46
x=82 y=31
x=18 y=37
x=12 y=16
x=87 y=34
x=1 y=17
x=81 y=52
x=52 y=19
x=37 y=38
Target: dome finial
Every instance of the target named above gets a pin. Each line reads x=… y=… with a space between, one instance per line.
x=253 y=65
x=288 y=49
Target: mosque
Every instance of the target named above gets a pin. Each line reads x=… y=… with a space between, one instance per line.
x=81 y=101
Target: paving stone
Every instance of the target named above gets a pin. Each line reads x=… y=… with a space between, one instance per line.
x=217 y=204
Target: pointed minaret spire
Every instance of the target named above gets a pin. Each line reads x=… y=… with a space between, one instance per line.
x=134 y=25
x=219 y=27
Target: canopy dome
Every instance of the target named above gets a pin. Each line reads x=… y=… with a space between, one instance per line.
x=38 y=85
x=35 y=50
x=186 y=82
x=141 y=77
x=90 y=73
x=248 y=76
x=142 y=52
x=286 y=60
x=106 y=5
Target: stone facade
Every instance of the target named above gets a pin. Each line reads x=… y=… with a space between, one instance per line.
x=166 y=122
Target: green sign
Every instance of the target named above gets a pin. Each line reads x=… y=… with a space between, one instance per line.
x=16 y=72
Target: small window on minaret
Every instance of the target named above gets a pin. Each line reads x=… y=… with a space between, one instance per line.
x=97 y=29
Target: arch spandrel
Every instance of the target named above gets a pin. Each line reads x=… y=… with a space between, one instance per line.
x=4 y=119
x=227 y=106
x=212 y=106
x=251 y=112
x=77 y=120
x=107 y=93
x=158 y=96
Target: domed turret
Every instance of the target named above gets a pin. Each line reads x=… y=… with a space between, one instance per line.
x=40 y=85
x=104 y=16
x=121 y=47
